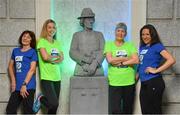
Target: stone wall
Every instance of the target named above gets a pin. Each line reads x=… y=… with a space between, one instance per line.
x=165 y=16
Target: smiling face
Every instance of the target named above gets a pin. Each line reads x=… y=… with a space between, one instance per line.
x=51 y=29
x=26 y=39
x=120 y=34
x=146 y=37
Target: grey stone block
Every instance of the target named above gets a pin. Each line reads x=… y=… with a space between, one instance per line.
x=3 y=60
x=172 y=89
x=177 y=57
x=10 y=30
x=5 y=53
x=22 y=8
x=3 y=108
x=159 y=9
x=168 y=31
x=3 y=6
x=4 y=87
x=178 y=9
x=176 y=67
x=171 y=109
x=88 y=95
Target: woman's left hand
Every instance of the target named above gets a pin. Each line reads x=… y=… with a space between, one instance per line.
x=23 y=91
x=151 y=70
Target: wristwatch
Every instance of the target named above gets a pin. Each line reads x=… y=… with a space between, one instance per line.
x=24 y=83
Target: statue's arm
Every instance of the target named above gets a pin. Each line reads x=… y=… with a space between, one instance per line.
x=99 y=57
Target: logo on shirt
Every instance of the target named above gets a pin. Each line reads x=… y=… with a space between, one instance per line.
x=121 y=53
x=18 y=60
x=141 y=56
x=54 y=52
x=144 y=51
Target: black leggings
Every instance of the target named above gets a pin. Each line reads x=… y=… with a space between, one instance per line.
x=16 y=99
x=51 y=92
x=151 y=95
x=121 y=99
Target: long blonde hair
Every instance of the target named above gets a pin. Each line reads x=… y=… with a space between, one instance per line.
x=44 y=29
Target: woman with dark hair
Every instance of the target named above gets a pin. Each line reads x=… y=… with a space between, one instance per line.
x=50 y=56
x=33 y=40
x=22 y=67
x=151 y=54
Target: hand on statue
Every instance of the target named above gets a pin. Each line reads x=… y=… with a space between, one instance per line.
x=94 y=54
x=85 y=67
x=92 y=68
x=87 y=59
x=88 y=54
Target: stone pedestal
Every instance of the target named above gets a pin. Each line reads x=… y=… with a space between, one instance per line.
x=88 y=95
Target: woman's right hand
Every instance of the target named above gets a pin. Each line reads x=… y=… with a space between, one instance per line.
x=23 y=92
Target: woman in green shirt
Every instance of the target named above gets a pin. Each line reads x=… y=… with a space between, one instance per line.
x=50 y=56
x=121 y=57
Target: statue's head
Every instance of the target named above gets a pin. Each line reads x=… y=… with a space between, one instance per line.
x=87 y=18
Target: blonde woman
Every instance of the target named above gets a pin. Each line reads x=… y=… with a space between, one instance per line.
x=50 y=56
